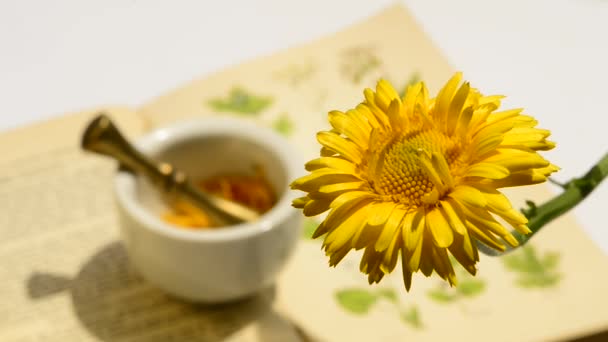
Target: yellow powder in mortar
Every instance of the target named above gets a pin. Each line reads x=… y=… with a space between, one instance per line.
x=253 y=192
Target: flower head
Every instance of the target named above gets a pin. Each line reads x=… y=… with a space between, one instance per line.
x=417 y=177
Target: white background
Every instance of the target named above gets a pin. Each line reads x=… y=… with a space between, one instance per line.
x=549 y=57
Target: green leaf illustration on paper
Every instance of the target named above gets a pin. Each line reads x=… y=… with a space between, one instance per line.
x=534 y=270
x=358 y=62
x=241 y=101
x=356 y=300
x=411 y=316
x=295 y=74
x=283 y=125
x=359 y=301
x=442 y=295
x=414 y=78
x=388 y=294
x=468 y=286
x=309 y=228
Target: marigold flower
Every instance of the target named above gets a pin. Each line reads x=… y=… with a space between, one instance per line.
x=418 y=177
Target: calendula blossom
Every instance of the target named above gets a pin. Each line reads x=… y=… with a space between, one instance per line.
x=418 y=177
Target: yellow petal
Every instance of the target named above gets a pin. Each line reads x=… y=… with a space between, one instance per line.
x=456 y=107
x=370 y=260
x=321 y=230
x=340 y=145
x=390 y=229
x=320 y=177
x=443 y=170
x=468 y=194
x=385 y=94
x=444 y=97
x=361 y=119
x=368 y=234
x=337 y=256
x=427 y=264
x=433 y=175
x=500 y=205
x=336 y=188
x=372 y=120
x=407 y=274
x=389 y=261
x=315 y=207
x=443 y=266
x=478 y=119
x=487 y=170
x=300 y=202
x=462 y=249
x=373 y=108
x=522 y=228
x=381 y=213
x=453 y=214
x=335 y=163
x=485 y=222
x=463 y=122
x=532 y=138
x=347 y=205
x=485 y=237
x=498 y=127
x=485 y=144
x=492 y=99
x=526 y=177
x=411 y=94
x=418 y=227
x=326 y=152
x=350 y=128
x=523 y=120
x=351 y=196
x=343 y=233
x=412 y=229
x=394 y=114
x=516 y=159
x=421 y=107
x=440 y=228
x=504 y=115
x=470 y=248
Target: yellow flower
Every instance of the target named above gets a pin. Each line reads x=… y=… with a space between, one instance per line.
x=418 y=177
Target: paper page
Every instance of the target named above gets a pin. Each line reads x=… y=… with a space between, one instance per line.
x=552 y=289
x=65 y=274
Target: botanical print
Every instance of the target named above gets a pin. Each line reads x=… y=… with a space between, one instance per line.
x=411 y=316
x=358 y=62
x=356 y=300
x=359 y=301
x=241 y=101
x=283 y=124
x=468 y=287
x=296 y=74
x=533 y=270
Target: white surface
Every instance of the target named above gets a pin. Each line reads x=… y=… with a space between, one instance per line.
x=549 y=57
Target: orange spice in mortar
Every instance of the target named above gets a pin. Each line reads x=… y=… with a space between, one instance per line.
x=252 y=191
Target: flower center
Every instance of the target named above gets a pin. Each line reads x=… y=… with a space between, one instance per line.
x=399 y=174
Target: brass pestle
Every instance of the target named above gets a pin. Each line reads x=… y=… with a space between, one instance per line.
x=103 y=137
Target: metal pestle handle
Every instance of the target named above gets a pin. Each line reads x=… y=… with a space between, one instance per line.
x=103 y=137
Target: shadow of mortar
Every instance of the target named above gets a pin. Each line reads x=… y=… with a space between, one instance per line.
x=114 y=303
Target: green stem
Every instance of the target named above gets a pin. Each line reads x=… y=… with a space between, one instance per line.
x=575 y=191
